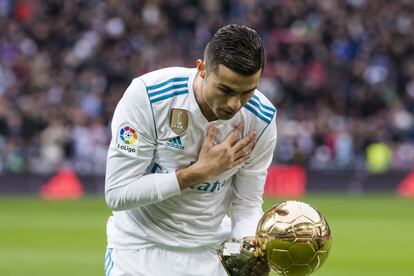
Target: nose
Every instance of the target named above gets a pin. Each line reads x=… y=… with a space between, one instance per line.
x=234 y=103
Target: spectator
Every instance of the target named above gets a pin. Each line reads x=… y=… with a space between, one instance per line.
x=340 y=72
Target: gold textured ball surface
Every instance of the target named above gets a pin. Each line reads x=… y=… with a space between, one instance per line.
x=294 y=237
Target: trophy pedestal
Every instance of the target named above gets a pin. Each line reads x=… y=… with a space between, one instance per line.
x=237 y=257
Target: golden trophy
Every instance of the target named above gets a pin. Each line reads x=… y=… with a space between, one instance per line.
x=293 y=237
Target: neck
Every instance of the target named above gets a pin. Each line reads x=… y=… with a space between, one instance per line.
x=198 y=93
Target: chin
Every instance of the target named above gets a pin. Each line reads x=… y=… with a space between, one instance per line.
x=225 y=116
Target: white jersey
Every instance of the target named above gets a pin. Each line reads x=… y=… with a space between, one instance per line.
x=158 y=128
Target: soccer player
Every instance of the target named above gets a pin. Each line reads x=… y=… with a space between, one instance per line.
x=189 y=145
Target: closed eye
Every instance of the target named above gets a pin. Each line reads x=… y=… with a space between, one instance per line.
x=230 y=92
x=227 y=91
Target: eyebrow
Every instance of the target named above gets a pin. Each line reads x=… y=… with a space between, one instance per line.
x=232 y=91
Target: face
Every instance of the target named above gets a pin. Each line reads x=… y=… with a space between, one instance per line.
x=225 y=92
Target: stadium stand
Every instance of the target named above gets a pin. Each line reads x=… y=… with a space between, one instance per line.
x=340 y=72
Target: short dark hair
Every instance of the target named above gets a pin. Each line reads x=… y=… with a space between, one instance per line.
x=237 y=47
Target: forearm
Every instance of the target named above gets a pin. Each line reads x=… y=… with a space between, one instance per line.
x=191 y=176
x=244 y=222
x=246 y=208
x=145 y=190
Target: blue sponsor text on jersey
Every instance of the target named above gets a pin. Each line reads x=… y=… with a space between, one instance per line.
x=209 y=187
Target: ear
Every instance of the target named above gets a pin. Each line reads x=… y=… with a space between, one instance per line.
x=201 y=68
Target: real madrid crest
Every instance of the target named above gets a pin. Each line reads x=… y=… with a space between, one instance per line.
x=178 y=120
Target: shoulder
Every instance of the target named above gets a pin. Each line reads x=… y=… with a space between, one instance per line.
x=155 y=89
x=166 y=83
x=167 y=89
x=259 y=111
x=260 y=116
x=158 y=85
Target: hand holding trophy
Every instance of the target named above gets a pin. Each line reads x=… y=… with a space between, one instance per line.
x=293 y=237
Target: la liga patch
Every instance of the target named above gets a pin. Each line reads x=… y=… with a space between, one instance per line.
x=127 y=140
x=128 y=135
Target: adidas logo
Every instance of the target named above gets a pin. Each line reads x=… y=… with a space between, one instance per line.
x=175 y=143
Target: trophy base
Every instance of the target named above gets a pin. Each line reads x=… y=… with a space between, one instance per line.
x=237 y=257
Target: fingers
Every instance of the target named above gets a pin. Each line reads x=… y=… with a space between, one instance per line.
x=211 y=134
x=233 y=136
x=241 y=148
x=245 y=150
x=233 y=149
x=260 y=269
x=241 y=159
x=245 y=142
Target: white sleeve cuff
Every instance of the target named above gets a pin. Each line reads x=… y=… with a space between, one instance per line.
x=167 y=185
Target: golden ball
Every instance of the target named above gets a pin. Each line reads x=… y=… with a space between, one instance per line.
x=294 y=237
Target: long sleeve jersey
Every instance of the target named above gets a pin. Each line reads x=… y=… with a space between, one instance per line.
x=158 y=128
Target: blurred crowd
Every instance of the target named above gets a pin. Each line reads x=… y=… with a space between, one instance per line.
x=340 y=72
